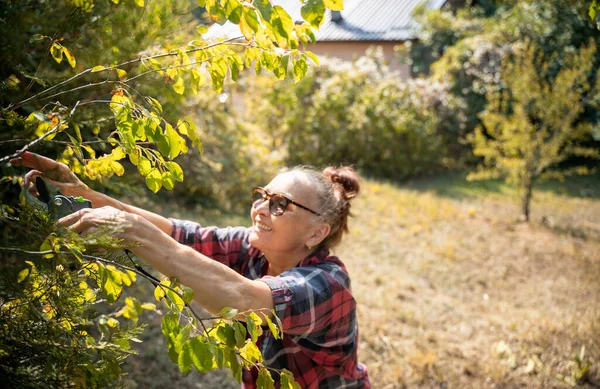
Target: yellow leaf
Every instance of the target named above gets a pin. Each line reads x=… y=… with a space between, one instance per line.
x=22 y=275
x=122 y=74
x=179 y=86
x=70 y=57
x=97 y=68
x=112 y=322
x=140 y=3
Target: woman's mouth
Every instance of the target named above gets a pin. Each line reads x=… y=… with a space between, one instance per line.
x=261 y=227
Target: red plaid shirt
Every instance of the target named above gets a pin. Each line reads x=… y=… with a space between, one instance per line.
x=313 y=300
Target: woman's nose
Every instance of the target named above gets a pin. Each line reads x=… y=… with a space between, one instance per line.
x=261 y=206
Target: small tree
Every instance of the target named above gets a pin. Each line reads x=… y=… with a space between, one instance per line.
x=534 y=122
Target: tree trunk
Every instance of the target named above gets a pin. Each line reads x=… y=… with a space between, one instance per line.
x=526 y=199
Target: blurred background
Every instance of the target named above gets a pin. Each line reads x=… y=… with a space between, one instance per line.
x=475 y=246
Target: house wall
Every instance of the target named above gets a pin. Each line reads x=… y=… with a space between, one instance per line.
x=349 y=51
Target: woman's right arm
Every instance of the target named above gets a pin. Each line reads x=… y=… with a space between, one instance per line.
x=60 y=176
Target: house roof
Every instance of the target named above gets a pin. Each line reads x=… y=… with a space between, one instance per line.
x=362 y=20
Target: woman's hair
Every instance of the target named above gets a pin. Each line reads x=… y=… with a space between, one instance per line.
x=335 y=187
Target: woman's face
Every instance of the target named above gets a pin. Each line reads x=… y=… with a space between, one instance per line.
x=290 y=232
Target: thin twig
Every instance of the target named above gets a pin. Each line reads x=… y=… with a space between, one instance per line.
x=38 y=140
x=31 y=144
x=82 y=87
x=12 y=107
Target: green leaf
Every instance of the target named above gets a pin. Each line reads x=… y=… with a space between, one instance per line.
x=264 y=7
x=176 y=142
x=22 y=275
x=334 y=5
x=154 y=180
x=185 y=358
x=250 y=18
x=233 y=10
x=218 y=71
x=110 y=283
x=312 y=56
x=48 y=245
x=280 y=70
x=144 y=166
x=175 y=170
x=170 y=324
x=235 y=366
x=282 y=25
x=228 y=313
x=188 y=294
x=174 y=300
x=168 y=182
x=201 y=355
x=226 y=334
x=299 y=69
x=287 y=380
x=202 y=30
x=240 y=334
x=313 y=11
x=235 y=65
x=156 y=106
x=264 y=381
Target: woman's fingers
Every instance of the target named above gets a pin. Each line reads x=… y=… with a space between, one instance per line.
x=34 y=161
x=88 y=220
x=49 y=167
x=71 y=219
x=29 y=181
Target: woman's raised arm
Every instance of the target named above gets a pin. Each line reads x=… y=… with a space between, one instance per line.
x=60 y=176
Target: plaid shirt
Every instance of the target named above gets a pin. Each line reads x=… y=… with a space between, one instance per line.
x=313 y=300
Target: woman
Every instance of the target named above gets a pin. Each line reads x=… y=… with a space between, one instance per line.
x=282 y=262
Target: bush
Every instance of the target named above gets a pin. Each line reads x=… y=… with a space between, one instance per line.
x=360 y=114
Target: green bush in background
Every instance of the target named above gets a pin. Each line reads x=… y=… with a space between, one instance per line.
x=360 y=114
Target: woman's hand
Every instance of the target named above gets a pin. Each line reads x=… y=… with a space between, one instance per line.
x=56 y=173
x=117 y=223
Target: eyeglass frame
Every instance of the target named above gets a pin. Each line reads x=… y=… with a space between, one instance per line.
x=269 y=196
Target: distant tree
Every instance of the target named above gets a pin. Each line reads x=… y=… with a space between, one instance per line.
x=533 y=123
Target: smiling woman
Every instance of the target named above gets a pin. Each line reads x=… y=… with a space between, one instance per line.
x=281 y=263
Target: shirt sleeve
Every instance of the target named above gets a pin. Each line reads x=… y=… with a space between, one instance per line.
x=315 y=303
x=225 y=245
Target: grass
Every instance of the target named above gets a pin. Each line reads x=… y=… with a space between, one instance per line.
x=453 y=292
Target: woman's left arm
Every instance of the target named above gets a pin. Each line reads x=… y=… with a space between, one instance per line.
x=215 y=285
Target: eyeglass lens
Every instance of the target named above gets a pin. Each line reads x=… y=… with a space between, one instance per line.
x=277 y=203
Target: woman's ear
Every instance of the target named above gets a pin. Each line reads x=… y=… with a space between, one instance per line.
x=320 y=232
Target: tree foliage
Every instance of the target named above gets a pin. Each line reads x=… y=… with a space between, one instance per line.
x=465 y=49
x=84 y=81
x=533 y=123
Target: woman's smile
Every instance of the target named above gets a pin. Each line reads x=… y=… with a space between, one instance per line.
x=260 y=227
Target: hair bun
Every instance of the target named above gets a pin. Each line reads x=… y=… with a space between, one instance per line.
x=346 y=177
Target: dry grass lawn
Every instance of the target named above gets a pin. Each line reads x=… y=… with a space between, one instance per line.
x=453 y=292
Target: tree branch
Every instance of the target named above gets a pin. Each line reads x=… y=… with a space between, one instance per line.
x=14 y=106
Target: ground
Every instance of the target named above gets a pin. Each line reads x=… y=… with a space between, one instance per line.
x=455 y=292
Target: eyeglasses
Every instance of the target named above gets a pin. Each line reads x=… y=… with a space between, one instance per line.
x=277 y=202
